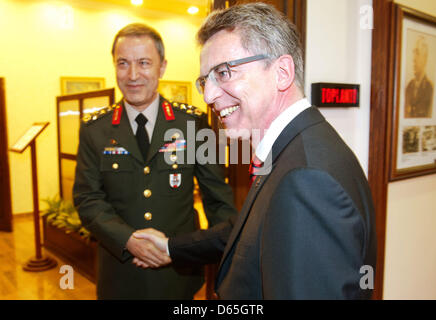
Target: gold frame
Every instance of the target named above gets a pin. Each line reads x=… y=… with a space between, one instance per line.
x=179 y=91
x=84 y=83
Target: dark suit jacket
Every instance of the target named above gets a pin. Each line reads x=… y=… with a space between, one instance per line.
x=305 y=230
x=109 y=195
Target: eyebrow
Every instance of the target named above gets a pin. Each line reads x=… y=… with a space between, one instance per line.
x=203 y=76
x=236 y=62
x=140 y=59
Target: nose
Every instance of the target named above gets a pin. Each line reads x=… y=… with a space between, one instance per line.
x=211 y=91
x=133 y=72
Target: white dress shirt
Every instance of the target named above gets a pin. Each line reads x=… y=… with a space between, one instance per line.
x=277 y=126
x=150 y=113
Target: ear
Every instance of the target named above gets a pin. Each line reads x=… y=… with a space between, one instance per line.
x=163 y=67
x=285 y=69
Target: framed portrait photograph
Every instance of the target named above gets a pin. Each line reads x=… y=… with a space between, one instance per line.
x=73 y=85
x=178 y=91
x=413 y=144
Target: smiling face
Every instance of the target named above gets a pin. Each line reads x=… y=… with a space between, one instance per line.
x=138 y=69
x=244 y=101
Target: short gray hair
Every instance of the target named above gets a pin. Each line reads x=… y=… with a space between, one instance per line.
x=263 y=30
x=141 y=30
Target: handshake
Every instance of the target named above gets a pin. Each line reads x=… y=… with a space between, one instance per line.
x=149 y=247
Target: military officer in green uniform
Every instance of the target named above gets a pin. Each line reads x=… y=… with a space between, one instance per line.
x=133 y=173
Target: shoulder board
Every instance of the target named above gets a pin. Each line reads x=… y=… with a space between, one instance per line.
x=91 y=117
x=187 y=108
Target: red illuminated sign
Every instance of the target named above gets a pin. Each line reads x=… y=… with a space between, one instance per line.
x=335 y=95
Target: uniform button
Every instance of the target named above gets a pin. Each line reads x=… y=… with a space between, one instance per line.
x=115 y=166
x=147 y=170
x=148 y=216
x=147 y=193
x=175 y=166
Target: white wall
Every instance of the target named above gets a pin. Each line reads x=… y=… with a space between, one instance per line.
x=339 y=50
x=410 y=258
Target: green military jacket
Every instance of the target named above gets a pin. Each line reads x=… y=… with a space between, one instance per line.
x=117 y=192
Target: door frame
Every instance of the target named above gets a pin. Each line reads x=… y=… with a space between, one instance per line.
x=382 y=86
x=5 y=185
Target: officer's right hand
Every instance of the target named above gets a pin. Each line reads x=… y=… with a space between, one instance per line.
x=147 y=252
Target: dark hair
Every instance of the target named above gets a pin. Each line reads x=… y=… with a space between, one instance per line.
x=140 y=30
x=263 y=30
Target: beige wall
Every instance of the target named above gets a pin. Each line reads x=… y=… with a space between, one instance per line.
x=410 y=260
x=44 y=40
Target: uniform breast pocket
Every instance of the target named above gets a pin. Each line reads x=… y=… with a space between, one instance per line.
x=117 y=173
x=175 y=180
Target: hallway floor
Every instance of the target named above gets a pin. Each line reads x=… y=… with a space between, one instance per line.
x=16 y=284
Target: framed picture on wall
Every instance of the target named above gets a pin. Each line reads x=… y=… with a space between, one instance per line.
x=73 y=85
x=413 y=149
x=178 y=91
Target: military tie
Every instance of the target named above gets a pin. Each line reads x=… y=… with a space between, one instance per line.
x=142 y=136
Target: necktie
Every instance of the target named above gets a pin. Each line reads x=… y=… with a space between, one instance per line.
x=142 y=136
x=255 y=166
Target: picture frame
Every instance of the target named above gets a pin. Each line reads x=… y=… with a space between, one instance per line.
x=74 y=85
x=178 y=91
x=413 y=114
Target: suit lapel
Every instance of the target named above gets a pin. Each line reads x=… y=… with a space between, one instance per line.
x=240 y=222
x=307 y=118
x=304 y=120
x=124 y=136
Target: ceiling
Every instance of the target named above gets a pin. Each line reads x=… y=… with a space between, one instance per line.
x=171 y=6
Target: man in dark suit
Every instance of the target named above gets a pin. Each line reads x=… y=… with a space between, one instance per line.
x=133 y=173
x=306 y=230
x=419 y=91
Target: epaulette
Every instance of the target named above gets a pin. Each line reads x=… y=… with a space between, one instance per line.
x=189 y=109
x=91 y=117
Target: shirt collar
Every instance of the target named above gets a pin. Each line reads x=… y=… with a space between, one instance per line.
x=277 y=126
x=150 y=113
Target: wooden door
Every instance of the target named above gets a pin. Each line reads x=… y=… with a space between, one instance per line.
x=5 y=190
x=70 y=109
